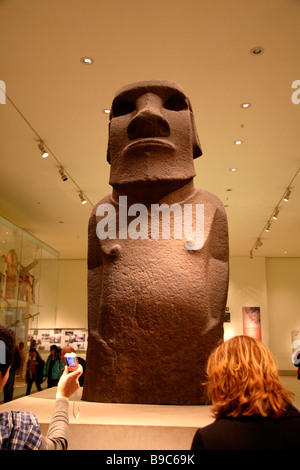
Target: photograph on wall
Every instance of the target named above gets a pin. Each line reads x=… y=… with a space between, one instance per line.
x=296 y=347
x=251 y=322
x=43 y=338
x=227 y=315
x=76 y=338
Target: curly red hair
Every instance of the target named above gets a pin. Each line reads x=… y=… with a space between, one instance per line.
x=243 y=380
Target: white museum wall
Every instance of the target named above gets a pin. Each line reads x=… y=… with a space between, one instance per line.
x=269 y=283
x=72 y=295
x=63 y=297
x=283 y=286
x=247 y=288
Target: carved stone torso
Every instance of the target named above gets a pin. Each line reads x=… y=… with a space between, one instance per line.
x=157 y=316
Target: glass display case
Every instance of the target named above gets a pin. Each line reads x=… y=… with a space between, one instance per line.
x=28 y=281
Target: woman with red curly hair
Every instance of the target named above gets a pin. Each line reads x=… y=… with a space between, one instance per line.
x=252 y=410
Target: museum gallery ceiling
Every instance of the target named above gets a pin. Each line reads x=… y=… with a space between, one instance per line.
x=207 y=47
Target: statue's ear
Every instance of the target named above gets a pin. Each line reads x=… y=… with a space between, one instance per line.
x=108 y=145
x=197 y=152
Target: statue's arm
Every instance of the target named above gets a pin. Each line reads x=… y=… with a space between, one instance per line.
x=219 y=241
x=94 y=274
x=218 y=265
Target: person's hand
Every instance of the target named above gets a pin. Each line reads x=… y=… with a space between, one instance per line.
x=68 y=383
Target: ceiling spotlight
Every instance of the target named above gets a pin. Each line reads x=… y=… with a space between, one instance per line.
x=106 y=111
x=287 y=195
x=87 y=60
x=275 y=215
x=44 y=152
x=238 y=142
x=63 y=174
x=232 y=169
x=258 y=243
x=245 y=105
x=82 y=198
x=267 y=229
x=256 y=50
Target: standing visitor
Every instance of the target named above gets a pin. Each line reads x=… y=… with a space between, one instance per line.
x=53 y=367
x=32 y=371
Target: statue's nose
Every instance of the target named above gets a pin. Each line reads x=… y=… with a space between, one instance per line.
x=148 y=121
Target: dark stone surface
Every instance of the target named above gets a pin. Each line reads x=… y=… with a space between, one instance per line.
x=155 y=307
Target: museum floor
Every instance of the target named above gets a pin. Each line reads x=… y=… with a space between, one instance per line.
x=114 y=426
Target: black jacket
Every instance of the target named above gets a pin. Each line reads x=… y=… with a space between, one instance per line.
x=251 y=433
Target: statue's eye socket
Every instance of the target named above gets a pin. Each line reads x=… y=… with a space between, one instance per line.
x=120 y=108
x=176 y=102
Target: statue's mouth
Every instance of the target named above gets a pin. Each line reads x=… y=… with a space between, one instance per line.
x=148 y=142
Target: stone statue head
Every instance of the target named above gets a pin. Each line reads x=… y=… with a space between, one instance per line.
x=152 y=135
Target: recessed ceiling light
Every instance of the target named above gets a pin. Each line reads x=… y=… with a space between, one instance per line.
x=87 y=60
x=238 y=142
x=256 y=50
x=233 y=169
x=106 y=111
x=245 y=105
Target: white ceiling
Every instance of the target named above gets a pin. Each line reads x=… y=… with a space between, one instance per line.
x=204 y=46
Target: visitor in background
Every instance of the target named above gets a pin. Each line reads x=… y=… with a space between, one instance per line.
x=53 y=367
x=296 y=361
x=34 y=366
x=20 y=430
x=251 y=408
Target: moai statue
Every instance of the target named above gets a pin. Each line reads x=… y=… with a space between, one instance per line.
x=157 y=259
